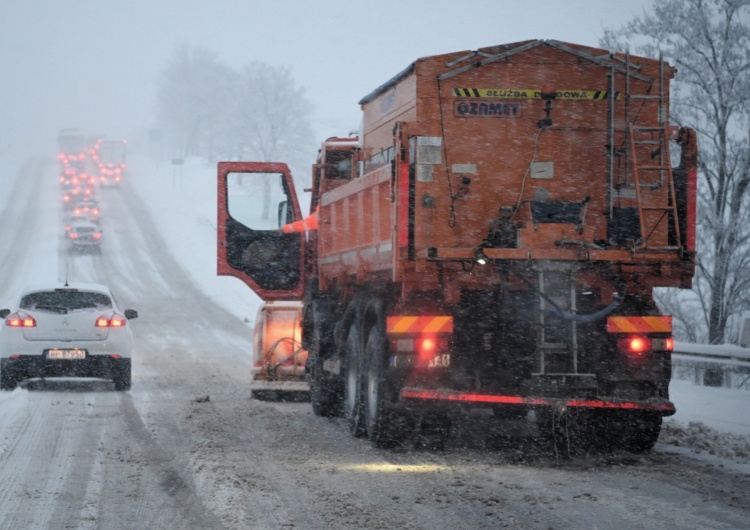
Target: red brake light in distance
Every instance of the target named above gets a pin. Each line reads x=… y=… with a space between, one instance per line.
x=669 y=344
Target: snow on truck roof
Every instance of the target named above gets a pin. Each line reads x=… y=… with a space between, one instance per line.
x=482 y=56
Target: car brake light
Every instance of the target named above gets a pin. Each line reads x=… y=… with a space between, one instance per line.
x=73 y=235
x=634 y=344
x=96 y=235
x=18 y=320
x=115 y=321
x=669 y=344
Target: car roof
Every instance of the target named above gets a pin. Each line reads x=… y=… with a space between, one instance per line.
x=82 y=223
x=80 y=286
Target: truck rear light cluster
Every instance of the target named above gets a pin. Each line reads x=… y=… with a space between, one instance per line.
x=637 y=344
x=111 y=321
x=424 y=345
x=20 y=320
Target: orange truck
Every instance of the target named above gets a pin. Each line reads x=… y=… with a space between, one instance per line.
x=491 y=238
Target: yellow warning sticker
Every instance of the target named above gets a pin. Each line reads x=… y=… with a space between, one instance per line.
x=522 y=93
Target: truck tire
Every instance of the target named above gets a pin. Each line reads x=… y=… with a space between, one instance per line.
x=353 y=382
x=324 y=394
x=643 y=433
x=325 y=390
x=386 y=426
x=636 y=432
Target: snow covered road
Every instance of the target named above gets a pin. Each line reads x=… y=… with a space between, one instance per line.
x=188 y=448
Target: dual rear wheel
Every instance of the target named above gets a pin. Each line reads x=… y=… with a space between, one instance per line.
x=370 y=402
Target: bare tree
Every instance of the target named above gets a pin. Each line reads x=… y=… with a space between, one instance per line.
x=271 y=117
x=709 y=43
x=190 y=98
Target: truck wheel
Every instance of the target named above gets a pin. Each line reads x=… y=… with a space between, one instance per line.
x=324 y=397
x=386 y=427
x=643 y=433
x=353 y=383
x=325 y=390
x=636 y=432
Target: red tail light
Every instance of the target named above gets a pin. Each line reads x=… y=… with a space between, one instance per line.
x=634 y=344
x=96 y=235
x=73 y=235
x=20 y=320
x=114 y=321
x=426 y=345
x=670 y=344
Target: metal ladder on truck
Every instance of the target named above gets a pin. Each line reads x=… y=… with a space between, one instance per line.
x=653 y=175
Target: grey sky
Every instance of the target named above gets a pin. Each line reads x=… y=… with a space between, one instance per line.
x=93 y=64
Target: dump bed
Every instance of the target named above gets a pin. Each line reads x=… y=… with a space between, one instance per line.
x=538 y=150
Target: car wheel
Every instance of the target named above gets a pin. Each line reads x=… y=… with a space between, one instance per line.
x=8 y=380
x=122 y=376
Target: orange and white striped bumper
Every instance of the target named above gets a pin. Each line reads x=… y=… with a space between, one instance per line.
x=639 y=324
x=422 y=324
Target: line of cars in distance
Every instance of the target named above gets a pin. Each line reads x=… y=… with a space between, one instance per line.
x=81 y=210
x=69 y=329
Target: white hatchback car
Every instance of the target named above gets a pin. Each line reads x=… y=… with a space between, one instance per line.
x=71 y=330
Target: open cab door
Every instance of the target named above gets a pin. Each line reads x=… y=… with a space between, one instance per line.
x=255 y=199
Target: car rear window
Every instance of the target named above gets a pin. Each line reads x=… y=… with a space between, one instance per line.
x=65 y=301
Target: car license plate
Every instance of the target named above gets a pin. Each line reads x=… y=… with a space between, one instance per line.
x=66 y=354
